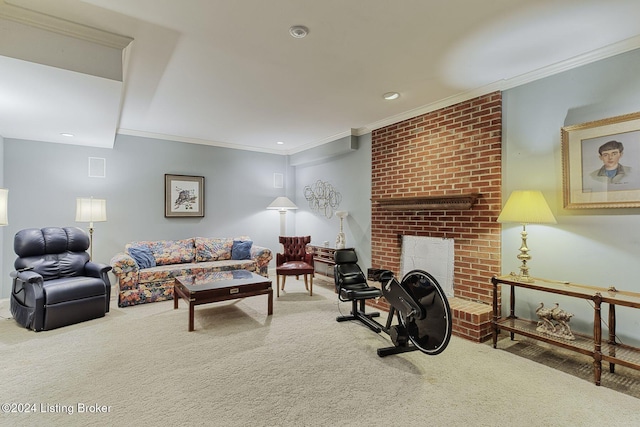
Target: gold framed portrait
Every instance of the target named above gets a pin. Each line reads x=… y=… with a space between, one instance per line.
x=601 y=163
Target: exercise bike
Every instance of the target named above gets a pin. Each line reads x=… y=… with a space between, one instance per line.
x=417 y=302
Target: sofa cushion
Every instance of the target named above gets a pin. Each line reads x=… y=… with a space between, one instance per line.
x=212 y=249
x=241 y=250
x=162 y=273
x=169 y=251
x=143 y=256
x=167 y=272
x=228 y=265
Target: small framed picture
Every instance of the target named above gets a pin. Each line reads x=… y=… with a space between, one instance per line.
x=183 y=196
x=601 y=163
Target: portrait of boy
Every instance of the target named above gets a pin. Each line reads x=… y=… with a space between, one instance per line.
x=616 y=166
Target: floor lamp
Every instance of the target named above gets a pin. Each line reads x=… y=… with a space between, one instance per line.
x=91 y=210
x=526 y=207
x=4 y=201
x=282 y=204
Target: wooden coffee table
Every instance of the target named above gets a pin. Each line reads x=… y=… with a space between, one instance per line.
x=220 y=286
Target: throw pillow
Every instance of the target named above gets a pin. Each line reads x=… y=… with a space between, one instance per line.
x=241 y=250
x=143 y=256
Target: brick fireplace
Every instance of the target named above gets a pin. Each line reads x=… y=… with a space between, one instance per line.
x=451 y=152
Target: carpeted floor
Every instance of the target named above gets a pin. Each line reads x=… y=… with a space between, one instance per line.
x=298 y=367
x=624 y=380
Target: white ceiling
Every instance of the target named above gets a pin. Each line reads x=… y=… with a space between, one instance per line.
x=227 y=72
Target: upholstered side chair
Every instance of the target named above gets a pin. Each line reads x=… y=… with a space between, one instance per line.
x=294 y=261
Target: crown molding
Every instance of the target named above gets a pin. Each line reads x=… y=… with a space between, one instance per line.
x=569 y=64
x=62 y=26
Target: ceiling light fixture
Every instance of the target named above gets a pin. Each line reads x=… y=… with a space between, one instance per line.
x=280 y=143
x=391 y=96
x=68 y=135
x=298 y=31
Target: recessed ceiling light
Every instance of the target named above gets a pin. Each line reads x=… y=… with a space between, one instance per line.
x=280 y=143
x=391 y=95
x=68 y=135
x=298 y=31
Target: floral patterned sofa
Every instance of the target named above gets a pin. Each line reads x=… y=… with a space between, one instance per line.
x=145 y=272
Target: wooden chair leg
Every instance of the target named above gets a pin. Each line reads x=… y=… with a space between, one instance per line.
x=284 y=279
x=311 y=287
x=306 y=284
x=277 y=285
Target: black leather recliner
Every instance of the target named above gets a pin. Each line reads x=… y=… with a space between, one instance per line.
x=55 y=283
x=351 y=285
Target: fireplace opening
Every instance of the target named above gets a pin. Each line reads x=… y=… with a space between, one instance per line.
x=434 y=255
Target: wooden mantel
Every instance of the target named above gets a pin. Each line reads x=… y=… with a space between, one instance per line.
x=428 y=203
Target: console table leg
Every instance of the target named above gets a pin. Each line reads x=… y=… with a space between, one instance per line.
x=597 y=338
x=512 y=308
x=612 y=336
x=597 y=369
x=495 y=313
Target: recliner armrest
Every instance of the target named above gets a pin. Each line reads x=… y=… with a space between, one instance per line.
x=99 y=270
x=96 y=269
x=27 y=276
x=28 y=290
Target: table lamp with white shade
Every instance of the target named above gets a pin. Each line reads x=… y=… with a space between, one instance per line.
x=526 y=207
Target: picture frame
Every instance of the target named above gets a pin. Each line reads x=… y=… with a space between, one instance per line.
x=183 y=196
x=594 y=174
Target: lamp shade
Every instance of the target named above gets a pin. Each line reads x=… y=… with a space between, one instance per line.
x=4 y=199
x=91 y=210
x=282 y=203
x=527 y=207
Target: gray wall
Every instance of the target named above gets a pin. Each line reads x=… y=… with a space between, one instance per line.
x=2 y=232
x=350 y=174
x=44 y=180
x=598 y=247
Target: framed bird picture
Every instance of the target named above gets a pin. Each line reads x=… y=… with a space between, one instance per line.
x=183 y=196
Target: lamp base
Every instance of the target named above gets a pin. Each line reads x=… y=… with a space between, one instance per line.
x=524 y=257
x=522 y=278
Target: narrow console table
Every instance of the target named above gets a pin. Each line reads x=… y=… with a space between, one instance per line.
x=610 y=351
x=323 y=259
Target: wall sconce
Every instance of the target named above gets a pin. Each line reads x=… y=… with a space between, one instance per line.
x=282 y=204
x=526 y=207
x=91 y=210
